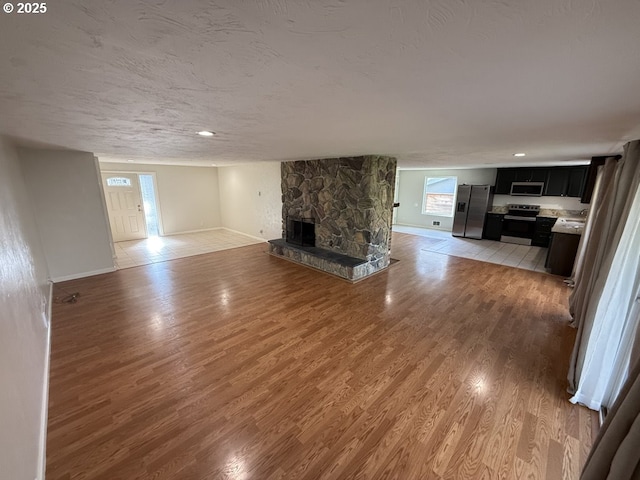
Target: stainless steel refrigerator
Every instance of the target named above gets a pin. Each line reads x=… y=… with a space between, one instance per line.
x=472 y=204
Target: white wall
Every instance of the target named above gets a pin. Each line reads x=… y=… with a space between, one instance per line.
x=410 y=190
x=24 y=328
x=64 y=187
x=188 y=196
x=251 y=199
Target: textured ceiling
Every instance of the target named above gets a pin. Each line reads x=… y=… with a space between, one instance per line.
x=436 y=83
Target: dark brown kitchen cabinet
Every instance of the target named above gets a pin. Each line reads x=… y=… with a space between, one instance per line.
x=506 y=176
x=558 y=181
x=493 y=226
x=536 y=174
x=542 y=232
x=562 y=253
x=577 y=181
x=566 y=181
x=591 y=174
x=504 y=179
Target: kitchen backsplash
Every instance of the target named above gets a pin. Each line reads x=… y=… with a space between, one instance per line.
x=548 y=212
x=551 y=203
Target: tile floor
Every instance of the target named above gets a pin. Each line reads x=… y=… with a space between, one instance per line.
x=160 y=249
x=134 y=253
x=520 y=256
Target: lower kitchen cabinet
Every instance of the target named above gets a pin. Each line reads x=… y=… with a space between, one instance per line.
x=493 y=226
x=542 y=232
x=562 y=253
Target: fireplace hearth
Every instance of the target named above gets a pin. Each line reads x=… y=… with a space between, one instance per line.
x=301 y=232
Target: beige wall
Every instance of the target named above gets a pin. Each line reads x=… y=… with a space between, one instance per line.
x=410 y=190
x=24 y=327
x=68 y=204
x=251 y=199
x=188 y=196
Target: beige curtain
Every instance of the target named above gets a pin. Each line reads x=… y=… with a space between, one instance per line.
x=615 y=454
x=618 y=182
x=594 y=245
x=587 y=232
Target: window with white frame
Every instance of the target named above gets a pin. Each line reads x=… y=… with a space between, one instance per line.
x=439 y=196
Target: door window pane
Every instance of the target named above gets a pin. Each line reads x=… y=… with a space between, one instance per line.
x=118 y=182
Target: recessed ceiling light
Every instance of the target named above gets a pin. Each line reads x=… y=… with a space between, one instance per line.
x=206 y=133
x=130 y=161
x=213 y=164
x=519 y=154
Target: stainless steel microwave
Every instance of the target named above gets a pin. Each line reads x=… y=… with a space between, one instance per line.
x=530 y=189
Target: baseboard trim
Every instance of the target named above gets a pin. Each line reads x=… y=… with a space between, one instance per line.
x=212 y=229
x=192 y=231
x=44 y=413
x=424 y=227
x=75 y=276
x=245 y=234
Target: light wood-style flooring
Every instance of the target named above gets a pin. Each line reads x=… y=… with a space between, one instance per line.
x=239 y=365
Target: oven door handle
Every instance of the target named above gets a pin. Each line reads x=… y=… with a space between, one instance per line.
x=524 y=219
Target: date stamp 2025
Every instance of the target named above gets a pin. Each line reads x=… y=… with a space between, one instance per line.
x=25 y=8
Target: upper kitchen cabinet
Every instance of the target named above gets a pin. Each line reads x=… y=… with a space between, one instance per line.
x=577 y=181
x=591 y=174
x=531 y=174
x=558 y=181
x=506 y=176
x=504 y=179
x=566 y=181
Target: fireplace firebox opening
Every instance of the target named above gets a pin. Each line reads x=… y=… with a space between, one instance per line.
x=301 y=231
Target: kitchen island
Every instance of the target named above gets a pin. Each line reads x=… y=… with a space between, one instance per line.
x=565 y=238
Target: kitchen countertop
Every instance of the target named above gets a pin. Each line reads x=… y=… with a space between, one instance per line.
x=569 y=225
x=544 y=212
x=557 y=213
x=568 y=221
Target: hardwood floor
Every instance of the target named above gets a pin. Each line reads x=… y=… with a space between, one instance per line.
x=239 y=365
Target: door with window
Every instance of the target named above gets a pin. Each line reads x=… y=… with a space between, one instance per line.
x=124 y=206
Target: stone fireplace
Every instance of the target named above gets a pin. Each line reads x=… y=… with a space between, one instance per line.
x=348 y=202
x=300 y=231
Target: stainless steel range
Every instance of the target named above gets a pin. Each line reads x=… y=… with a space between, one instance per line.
x=519 y=224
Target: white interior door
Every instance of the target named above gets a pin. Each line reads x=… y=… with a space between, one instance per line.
x=124 y=206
